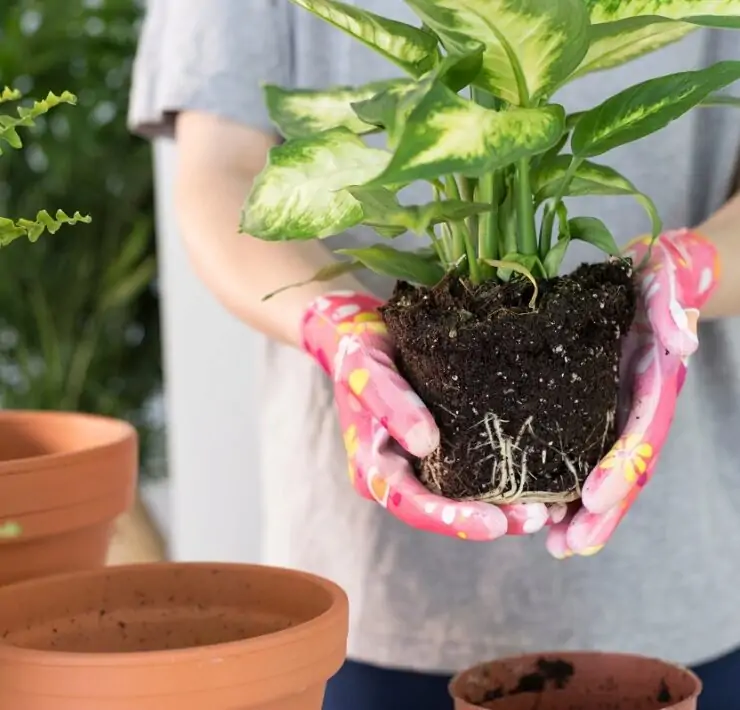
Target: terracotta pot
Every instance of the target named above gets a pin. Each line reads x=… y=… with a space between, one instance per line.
x=171 y=636
x=64 y=478
x=576 y=681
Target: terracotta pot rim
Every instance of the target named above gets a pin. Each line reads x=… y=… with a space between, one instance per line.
x=119 y=432
x=575 y=655
x=76 y=515
x=173 y=657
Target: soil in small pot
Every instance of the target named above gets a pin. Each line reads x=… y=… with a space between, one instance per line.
x=576 y=681
x=525 y=398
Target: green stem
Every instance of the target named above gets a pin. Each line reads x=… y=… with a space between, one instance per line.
x=461 y=235
x=439 y=247
x=548 y=219
x=527 y=229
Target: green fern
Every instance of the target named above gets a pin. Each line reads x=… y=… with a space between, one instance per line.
x=10 y=229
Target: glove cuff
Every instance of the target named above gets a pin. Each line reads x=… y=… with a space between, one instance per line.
x=334 y=315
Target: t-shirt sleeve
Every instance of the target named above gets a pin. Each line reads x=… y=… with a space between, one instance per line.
x=208 y=55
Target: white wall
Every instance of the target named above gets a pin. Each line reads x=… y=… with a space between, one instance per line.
x=211 y=374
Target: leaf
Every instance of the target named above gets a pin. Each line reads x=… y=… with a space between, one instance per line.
x=383 y=211
x=447 y=134
x=513 y=262
x=130 y=287
x=410 y=48
x=647 y=107
x=301 y=192
x=32 y=229
x=721 y=100
x=589 y=179
x=718 y=13
x=391 y=108
x=325 y=273
x=555 y=256
x=614 y=43
x=531 y=45
x=415 y=268
x=26 y=116
x=303 y=112
x=8 y=94
x=593 y=231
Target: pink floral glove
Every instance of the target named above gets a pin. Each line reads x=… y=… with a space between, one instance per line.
x=676 y=281
x=383 y=420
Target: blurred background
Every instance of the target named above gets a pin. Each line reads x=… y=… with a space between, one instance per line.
x=79 y=313
x=80 y=310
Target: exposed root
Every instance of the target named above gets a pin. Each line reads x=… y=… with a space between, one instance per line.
x=510 y=473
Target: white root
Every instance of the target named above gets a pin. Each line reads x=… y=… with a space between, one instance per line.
x=509 y=469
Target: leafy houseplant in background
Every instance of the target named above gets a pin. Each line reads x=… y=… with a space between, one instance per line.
x=518 y=364
x=79 y=317
x=64 y=477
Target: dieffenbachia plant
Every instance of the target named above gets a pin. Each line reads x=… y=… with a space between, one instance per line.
x=12 y=229
x=474 y=118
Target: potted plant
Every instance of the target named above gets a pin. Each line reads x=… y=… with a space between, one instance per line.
x=563 y=681
x=480 y=308
x=64 y=477
x=171 y=636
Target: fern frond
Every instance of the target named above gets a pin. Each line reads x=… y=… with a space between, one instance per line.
x=27 y=116
x=10 y=230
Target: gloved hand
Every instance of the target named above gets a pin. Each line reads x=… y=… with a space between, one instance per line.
x=382 y=420
x=674 y=284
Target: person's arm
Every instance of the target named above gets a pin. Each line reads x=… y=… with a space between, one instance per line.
x=723 y=229
x=217 y=161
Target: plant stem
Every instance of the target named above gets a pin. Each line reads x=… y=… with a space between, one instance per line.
x=548 y=219
x=527 y=229
x=468 y=192
x=461 y=235
x=439 y=247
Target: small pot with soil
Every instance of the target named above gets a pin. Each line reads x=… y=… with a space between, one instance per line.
x=576 y=681
x=64 y=479
x=171 y=636
x=518 y=363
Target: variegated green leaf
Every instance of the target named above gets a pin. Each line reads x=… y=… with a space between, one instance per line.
x=589 y=179
x=32 y=229
x=625 y=29
x=391 y=108
x=301 y=192
x=412 y=49
x=447 y=134
x=27 y=116
x=302 y=112
x=326 y=273
x=647 y=107
x=721 y=13
x=531 y=45
x=408 y=266
x=614 y=43
x=383 y=210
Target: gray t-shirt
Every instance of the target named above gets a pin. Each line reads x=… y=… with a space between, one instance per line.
x=667 y=583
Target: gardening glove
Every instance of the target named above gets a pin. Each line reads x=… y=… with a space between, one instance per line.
x=383 y=420
x=677 y=278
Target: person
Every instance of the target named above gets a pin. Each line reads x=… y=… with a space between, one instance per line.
x=425 y=605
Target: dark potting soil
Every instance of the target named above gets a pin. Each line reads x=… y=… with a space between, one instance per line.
x=525 y=398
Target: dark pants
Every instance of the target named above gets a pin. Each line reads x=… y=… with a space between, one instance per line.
x=358 y=686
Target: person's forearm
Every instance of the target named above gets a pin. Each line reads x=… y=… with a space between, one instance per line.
x=723 y=229
x=238 y=269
